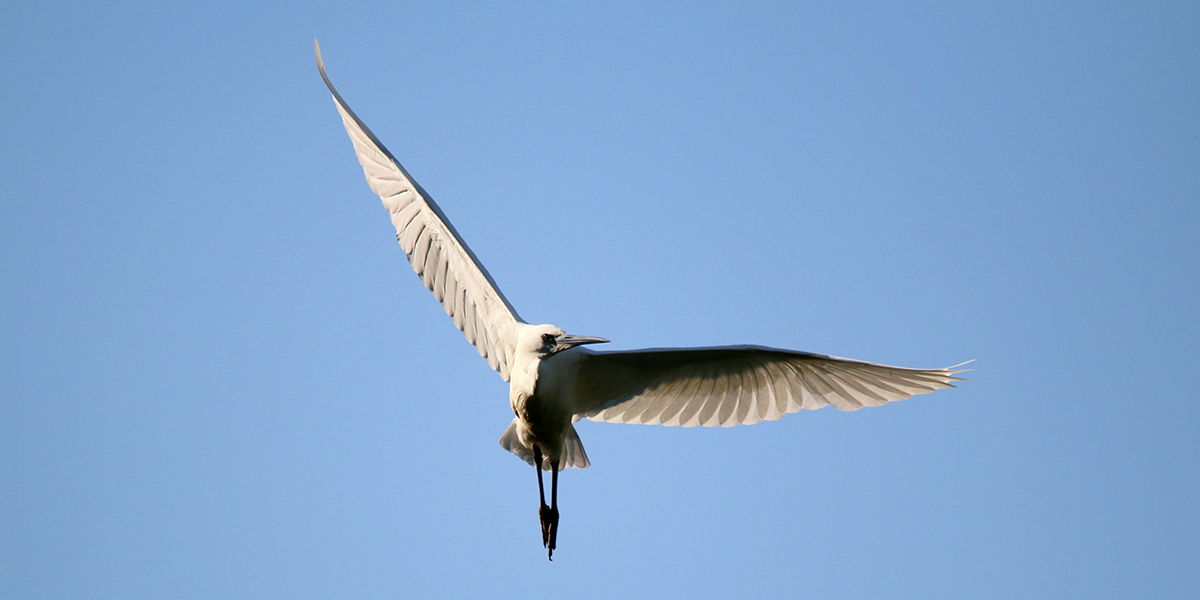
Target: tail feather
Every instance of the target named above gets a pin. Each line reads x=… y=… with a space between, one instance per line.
x=573 y=454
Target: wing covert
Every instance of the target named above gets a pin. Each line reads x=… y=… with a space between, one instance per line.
x=440 y=257
x=737 y=385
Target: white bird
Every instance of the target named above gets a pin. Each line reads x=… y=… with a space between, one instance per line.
x=554 y=381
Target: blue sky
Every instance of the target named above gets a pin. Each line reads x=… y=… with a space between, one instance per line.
x=221 y=379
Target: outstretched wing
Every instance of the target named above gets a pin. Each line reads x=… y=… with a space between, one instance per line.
x=736 y=385
x=437 y=253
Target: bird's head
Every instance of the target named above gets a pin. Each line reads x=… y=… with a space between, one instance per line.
x=547 y=340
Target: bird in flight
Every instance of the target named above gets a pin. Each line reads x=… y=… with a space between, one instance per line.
x=554 y=381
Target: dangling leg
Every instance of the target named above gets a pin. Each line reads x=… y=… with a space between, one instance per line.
x=553 y=508
x=543 y=510
x=537 y=465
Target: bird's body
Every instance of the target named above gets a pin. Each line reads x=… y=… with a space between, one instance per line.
x=541 y=393
x=554 y=381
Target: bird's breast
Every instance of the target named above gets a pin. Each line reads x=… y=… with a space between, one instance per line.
x=531 y=409
x=533 y=406
x=536 y=394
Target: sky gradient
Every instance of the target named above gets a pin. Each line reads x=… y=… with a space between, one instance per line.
x=220 y=378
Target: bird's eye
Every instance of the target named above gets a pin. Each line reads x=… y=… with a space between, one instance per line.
x=548 y=338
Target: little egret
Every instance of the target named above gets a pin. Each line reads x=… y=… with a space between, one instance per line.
x=554 y=381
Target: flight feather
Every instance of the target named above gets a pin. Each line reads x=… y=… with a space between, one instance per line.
x=736 y=385
x=445 y=263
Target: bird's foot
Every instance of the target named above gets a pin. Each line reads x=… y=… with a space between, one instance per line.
x=549 y=517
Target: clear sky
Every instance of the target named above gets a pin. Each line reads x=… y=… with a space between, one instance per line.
x=219 y=378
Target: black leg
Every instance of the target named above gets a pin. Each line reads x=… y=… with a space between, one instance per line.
x=537 y=466
x=544 y=512
x=553 y=508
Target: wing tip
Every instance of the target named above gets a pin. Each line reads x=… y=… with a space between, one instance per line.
x=954 y=370
x=321 y=70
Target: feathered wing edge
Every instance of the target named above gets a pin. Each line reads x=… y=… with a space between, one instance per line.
x=446 y=265
x=737 y=385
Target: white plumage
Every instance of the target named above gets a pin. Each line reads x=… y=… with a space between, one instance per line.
x=554 y=381
x=436 y=252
